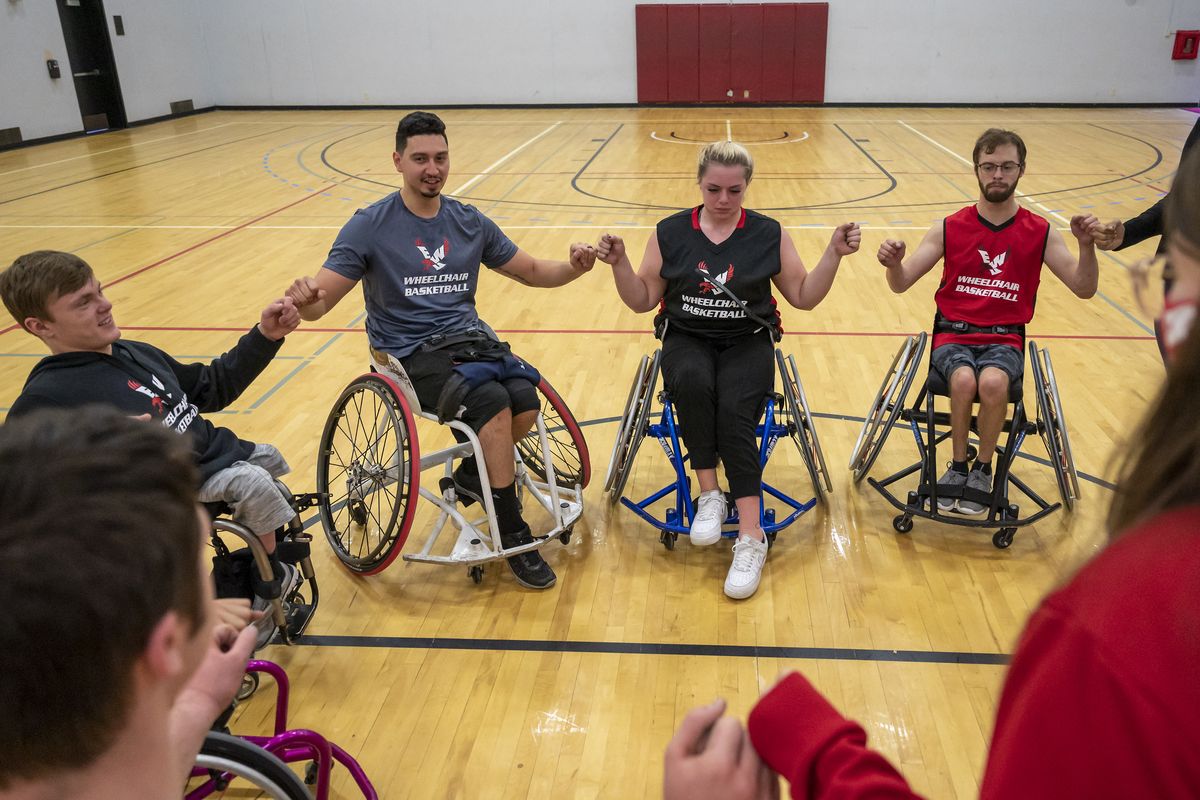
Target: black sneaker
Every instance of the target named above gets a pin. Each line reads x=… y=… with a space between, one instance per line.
x=467 y=485
x=529 y=568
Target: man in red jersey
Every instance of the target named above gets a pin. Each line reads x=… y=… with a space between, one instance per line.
x=993 y=253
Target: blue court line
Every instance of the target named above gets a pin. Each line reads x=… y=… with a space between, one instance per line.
x=1116 y=305
x=658 y=649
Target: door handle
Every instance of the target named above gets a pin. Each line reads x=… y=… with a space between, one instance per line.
x=85 y=74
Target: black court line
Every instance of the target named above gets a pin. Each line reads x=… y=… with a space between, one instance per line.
x=139 y=166
x=657 y=649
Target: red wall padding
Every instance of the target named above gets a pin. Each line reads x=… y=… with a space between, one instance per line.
x=651 y=57
x=715 y=54
x=683 y=53
x=739 y=53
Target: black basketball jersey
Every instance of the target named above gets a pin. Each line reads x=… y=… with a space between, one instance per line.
x=693 y=266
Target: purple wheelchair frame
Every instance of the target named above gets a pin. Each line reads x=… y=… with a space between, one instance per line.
x=291 y=746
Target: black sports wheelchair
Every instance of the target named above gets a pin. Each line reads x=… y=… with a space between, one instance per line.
x=888 y=410
x=247 y=571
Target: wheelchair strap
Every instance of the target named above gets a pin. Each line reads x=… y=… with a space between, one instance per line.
x=472 y=345
x=776 y=333
x=943 y=325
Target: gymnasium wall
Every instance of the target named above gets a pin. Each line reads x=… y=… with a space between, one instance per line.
x=298 y=52
x=427 y=52
x=29 y=99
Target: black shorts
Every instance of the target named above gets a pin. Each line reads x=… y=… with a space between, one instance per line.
x=429 y=370
x=949 y=357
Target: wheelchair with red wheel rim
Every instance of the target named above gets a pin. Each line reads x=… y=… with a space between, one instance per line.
x=369 y=469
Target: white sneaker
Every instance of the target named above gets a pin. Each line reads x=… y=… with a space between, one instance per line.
x=711 y=510
x=749 y=555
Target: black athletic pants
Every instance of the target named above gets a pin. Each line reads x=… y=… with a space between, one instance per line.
x=719 y=386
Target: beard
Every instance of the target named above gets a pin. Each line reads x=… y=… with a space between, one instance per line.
x=997 y=194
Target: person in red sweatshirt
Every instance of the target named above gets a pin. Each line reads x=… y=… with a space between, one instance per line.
x=1101 y=696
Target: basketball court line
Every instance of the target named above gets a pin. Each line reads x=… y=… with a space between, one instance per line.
x=481 y=175
x=656 y=649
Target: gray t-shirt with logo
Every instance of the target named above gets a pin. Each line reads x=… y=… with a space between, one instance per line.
x=418 y=275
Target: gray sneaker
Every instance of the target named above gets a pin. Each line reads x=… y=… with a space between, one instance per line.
x=266 y=626
x=980 y=482
x=952 y=480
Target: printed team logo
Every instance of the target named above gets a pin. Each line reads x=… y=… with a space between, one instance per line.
x=707 y=287
x=436 y=259
x=155 y=400
x=994 y=264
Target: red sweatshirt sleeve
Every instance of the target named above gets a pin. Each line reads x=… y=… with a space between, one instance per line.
x=818 y=751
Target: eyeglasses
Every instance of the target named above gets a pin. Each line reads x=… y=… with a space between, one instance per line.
x=1148 y=277
x=1008 y=167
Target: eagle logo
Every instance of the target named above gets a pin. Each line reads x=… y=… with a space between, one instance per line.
x=436 y=259
x=707 y=287
x=994 y=264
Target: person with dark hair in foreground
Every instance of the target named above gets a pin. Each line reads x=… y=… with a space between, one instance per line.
x=1101 y=696
x=114 y=658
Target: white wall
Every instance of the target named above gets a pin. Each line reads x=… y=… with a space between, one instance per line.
x=312 y=52
x=417 y=52
x=162 y=57
x=30 y=34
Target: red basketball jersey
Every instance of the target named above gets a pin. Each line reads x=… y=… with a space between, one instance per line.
x=990 y=274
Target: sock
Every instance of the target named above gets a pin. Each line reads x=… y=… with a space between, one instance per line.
x=959 y=466
x=508 y=513
x=984 y=466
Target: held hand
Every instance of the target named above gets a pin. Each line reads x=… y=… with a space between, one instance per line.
x=236 y=613
x=1108 y=236
x=305 y=291
x=846 y=238
x=711 y=757
x=279 y=318
x=610 y=249
x=1082 y=226
x=214 y=683
x=583 y=256
x=891 y=253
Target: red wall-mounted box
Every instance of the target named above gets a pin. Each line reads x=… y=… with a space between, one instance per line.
x=1186 y=45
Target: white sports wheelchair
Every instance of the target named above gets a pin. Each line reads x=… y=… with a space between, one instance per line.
x=784 y=415
x=369 y=466
x=888 y=410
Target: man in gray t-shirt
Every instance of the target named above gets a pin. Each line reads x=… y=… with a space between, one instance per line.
x=417 y=255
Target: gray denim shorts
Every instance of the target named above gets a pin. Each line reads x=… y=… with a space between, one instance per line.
x=949 y=357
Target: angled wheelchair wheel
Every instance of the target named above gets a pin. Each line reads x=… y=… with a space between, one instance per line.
x=231 y=761
x=368 y=474
x=633 y=424
x=888 y=404
x=568 y=448
x=800 y=425
x=1052 y=426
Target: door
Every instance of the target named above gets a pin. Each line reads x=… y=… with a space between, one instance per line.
x=89 y=50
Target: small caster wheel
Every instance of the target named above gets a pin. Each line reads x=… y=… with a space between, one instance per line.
x=1004 y=537
x=971 y=452
x=249 y=686
x=358 y=512
x=771 y=539
x=668 y=540
x=310 y=774
x=565 y=536
x=902 y=523
x=476 y=574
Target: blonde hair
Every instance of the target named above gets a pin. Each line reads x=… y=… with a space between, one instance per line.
x=727 y=154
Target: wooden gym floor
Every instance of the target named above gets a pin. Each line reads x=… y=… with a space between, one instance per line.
x=447 y=689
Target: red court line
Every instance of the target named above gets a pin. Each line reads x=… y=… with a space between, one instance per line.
x=197 y=246
x=638 y=331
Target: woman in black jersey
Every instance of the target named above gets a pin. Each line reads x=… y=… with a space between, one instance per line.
x=709 y=270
